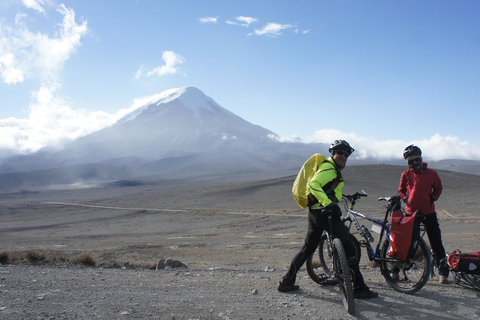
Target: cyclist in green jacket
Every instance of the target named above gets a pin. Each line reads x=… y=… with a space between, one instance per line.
x=326 y=191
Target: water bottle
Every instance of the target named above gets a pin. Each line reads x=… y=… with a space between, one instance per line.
x=367 y=235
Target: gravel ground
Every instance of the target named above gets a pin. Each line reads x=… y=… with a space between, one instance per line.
x=42 y=292
x=237 y=239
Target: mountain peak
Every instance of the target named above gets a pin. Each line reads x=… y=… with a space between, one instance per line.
x=186 y=94
x=183 y=118
x=189 y=98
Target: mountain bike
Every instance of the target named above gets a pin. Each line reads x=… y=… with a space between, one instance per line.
x=466 y=279
x=464 y=268
x=407 y=276
x=338 y=268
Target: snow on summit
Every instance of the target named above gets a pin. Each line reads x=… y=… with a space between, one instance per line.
x=180 y=120
x=190 y=98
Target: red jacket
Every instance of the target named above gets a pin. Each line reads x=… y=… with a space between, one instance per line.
x=420 y=188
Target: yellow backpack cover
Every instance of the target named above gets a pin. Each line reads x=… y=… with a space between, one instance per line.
x=300 y=185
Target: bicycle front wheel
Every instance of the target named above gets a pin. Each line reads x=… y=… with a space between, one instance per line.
x=320 y=264
x=406 y=276
x=344 y=275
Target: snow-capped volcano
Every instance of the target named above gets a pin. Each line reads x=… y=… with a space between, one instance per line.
x=178 y=133
x=174 y=122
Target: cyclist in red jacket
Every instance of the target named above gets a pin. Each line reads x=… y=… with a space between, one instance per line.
x=420 y=187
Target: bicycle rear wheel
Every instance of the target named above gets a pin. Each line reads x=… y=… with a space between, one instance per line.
x=320 y=264
x=471 y=279
x=344 y=275
x=407 y=276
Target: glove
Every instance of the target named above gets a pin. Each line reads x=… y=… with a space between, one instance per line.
x=333 y=210
x=432 y=199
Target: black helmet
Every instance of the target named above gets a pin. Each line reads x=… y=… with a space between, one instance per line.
x=410 y=151
x=340 y=145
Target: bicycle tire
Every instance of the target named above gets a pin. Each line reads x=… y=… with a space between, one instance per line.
x=413 y=274
x=343 y=275
x=320 y=265
x=472 y=279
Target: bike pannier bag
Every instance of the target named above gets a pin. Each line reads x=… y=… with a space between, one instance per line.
x=300 y=185
x=467 y=262
x=404 y=234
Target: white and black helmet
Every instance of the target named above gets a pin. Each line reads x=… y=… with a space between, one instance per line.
x=340 y=145
x=411 y=151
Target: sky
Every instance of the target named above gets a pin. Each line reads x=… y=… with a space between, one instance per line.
x=379 y=74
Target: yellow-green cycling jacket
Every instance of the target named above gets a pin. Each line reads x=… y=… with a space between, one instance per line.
x=326 y=185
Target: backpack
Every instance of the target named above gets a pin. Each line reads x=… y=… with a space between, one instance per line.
x=404 y=234
x=467 y=262
x=300 y=185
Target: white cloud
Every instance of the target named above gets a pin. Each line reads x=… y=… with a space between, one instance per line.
x=139 y=72
x=171 y=59
x=242 y=21
x=208 y=20
x=40 y=56
x=225 y=136
x=50 y=122
x=28 y=54
x=301 y=31
x=34 y=4
x=272 y=29
x=435 y=148
x=9 y=73
x=53 y=52
x=291 y=139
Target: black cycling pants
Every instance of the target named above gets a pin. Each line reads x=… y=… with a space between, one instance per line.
x=317 y=222
x=435 y=238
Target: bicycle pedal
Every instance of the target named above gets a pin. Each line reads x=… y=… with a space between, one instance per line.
x=362 y=243
x=329 y=282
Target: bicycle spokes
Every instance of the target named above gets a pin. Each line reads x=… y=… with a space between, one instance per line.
x=406 y=276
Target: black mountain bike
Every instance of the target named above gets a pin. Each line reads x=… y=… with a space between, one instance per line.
x=406 y=276
x=338 y=268
x=466 y=277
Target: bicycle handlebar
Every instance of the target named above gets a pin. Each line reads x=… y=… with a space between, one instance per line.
x=394 y=202
x=355 y=196
x=392 y=198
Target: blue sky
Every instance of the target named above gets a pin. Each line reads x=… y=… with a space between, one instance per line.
x=381 y=74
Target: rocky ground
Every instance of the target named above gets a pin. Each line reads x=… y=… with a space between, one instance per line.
x=33 y=292
x=236 y=238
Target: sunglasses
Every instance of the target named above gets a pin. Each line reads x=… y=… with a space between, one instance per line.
x=417 y=160
x=343 y=153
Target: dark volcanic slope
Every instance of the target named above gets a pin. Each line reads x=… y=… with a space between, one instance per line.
x=206 y=223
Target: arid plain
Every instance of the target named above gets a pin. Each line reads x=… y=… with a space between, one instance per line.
x=206 y=223
x=236 y=235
